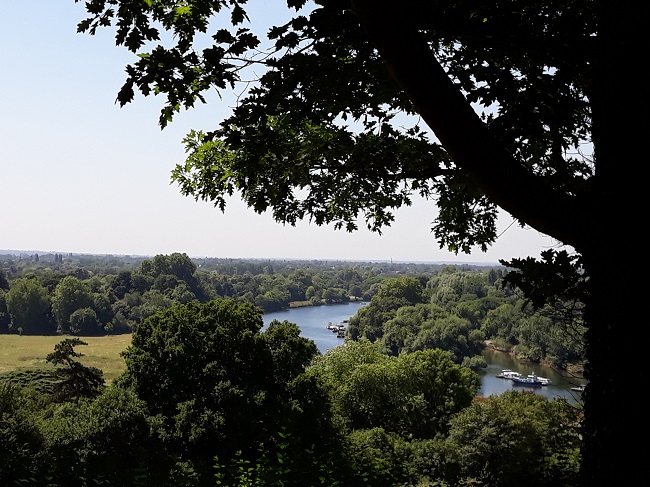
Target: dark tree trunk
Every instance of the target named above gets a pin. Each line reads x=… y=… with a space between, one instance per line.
x=616 y=428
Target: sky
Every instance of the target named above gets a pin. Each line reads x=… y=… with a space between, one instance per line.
x=80 y=174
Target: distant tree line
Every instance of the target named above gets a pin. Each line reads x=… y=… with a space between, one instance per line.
x=98 y=295
x=411 y=306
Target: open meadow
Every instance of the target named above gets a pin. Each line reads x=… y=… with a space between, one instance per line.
x=28 y=352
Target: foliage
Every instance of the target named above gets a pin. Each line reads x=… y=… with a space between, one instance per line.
x=311 y=406
x=122 y=300
x=5 y=319
x=428 y=326
x=412 y=395
x=28 y=305
x=75 y=380
x=40 y=380
x=220 y=385
x=70 y=295
x=122 y=292
x=20 y=438
x=283 y=465
x=391 y=295
x=514 y=436
x=117 y=439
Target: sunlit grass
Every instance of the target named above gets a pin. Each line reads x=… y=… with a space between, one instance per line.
x=29 y=352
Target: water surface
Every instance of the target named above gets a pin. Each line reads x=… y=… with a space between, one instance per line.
x=312 y=321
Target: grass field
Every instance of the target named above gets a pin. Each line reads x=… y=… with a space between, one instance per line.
x=29 y=352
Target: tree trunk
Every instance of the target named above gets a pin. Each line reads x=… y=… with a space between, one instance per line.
x=615 y=427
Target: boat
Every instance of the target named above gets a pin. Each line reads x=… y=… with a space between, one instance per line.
x=580 y=388
x=508 y=374
x=339 y=329
x=531 y=380
x=511 y=374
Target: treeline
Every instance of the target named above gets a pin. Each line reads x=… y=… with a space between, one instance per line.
x=412 y=306
x=209 y=399
x=462 y=310
x=93 y=295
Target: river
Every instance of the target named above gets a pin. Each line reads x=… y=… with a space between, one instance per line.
x=312 y=321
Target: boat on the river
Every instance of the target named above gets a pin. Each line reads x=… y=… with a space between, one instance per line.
x=580 y=388
x=339 y=328
x=508 y=374
x=520 y=379
x=531 y=380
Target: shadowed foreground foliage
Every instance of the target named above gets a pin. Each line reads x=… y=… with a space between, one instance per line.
x=208 y=398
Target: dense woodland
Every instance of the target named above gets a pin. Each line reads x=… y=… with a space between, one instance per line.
x=209 y=398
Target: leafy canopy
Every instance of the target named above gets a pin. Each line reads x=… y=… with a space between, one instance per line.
x=320 y=129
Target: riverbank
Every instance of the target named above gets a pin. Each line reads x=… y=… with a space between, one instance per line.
x=323 y=302
x=572 y=370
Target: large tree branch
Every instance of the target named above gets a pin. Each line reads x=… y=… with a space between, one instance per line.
x=460 y=130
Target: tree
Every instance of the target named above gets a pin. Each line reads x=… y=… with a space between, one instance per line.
x=75 y=380
x=513 y=436
x=29 y=307
x=84 y=322
x=517 y=95
x=20 y=439
x=221 y=386
x=392 y=294
x=413 y=395
x=5 y=319
x=176 y=264
x=108 y=440
x=4 y=284
x=70 y=294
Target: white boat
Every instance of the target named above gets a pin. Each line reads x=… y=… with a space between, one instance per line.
x=531 y=380
x=508 y=374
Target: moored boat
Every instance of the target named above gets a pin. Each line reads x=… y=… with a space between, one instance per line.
x=508 y=374
x=531 y=380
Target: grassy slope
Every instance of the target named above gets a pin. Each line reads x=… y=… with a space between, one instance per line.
x=29 y=352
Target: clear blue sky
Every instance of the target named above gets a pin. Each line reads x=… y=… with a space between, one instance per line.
x=81 y=175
